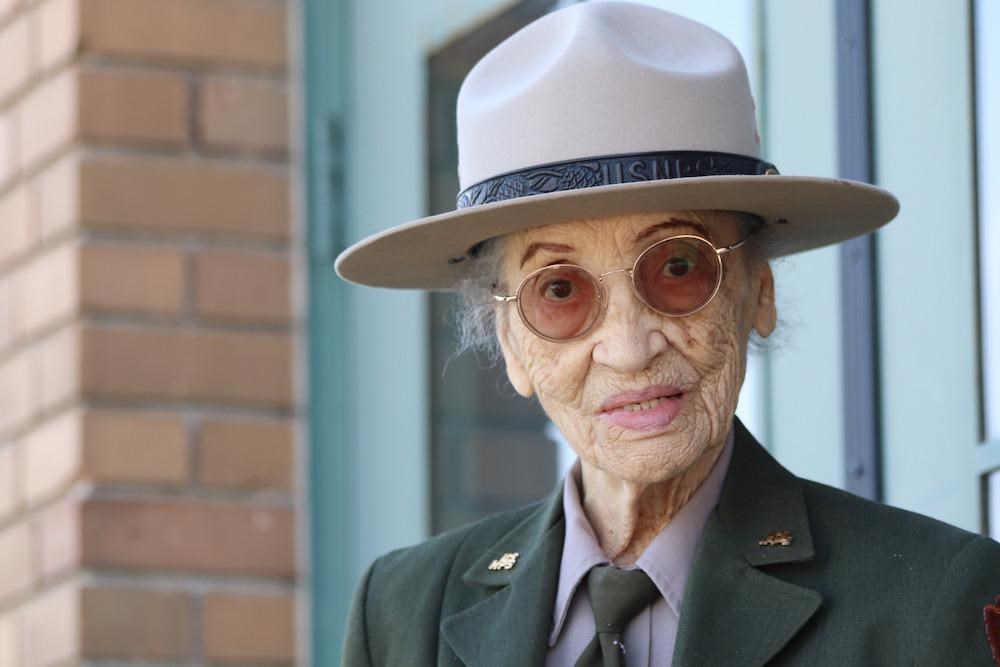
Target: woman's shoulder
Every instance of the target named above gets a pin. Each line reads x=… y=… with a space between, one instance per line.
x=850 y=528
x=904 y=584
x=849 y=515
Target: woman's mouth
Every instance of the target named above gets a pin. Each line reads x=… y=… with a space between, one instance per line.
x=649 y=410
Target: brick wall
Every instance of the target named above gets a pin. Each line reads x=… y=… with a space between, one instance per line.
x=147 y=336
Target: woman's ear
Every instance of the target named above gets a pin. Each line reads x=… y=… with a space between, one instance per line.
x=765 y=313
x=516 y=372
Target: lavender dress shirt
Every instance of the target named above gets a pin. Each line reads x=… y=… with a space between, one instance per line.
x=649 y=638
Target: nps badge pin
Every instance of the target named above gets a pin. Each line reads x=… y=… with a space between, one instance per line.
x=779 y=538
x=505 y=562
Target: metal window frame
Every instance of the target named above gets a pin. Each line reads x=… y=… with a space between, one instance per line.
x=858 y=285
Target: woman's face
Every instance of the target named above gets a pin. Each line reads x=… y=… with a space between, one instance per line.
x=641 y=396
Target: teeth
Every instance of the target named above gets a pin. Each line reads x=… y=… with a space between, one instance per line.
x=644 y=405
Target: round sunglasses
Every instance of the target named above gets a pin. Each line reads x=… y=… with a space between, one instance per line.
x=676 y=276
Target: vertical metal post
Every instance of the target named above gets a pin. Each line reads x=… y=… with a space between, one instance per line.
x=858 y=288
x=331 y=470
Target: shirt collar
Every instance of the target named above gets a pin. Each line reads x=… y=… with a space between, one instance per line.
x=667 y=559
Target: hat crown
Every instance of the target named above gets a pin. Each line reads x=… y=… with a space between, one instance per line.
x=603 y=78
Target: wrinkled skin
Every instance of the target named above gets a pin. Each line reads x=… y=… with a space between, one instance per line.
x=633 y=482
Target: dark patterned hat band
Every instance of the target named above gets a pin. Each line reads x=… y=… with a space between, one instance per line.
x=610 y=170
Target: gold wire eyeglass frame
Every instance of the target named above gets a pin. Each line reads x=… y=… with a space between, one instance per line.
x=602 y=292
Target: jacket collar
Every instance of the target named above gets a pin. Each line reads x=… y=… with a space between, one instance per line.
x=734 y=612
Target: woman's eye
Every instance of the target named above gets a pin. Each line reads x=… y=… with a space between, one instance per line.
x=558 y=290
x=678 y=266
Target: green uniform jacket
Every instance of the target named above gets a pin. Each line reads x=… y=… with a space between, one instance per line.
x=860 y=584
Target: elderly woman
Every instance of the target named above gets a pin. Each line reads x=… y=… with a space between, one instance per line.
x=614 y=231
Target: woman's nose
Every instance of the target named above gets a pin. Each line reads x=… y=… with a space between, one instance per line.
x=630 y=336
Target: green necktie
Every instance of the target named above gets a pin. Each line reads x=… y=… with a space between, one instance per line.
x=616 y=597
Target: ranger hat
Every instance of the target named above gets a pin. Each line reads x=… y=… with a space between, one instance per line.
x=608 y=108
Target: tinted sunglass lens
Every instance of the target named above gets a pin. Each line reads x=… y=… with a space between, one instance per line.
x=678 y=276
x=560 y=302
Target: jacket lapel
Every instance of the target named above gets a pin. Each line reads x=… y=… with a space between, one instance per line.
x=735 y=613
x=510 y=627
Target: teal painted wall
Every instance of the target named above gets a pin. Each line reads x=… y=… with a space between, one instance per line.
x=388 y=364
x=799 y=130
x=927 y=258
x=392 y=41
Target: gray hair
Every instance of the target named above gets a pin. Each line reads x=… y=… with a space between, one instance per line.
x=474 y=310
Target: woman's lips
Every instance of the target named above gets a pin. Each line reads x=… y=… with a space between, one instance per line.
x=649 y=410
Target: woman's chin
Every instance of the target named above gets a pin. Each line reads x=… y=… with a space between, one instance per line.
x=648 y=467
x=648 y=457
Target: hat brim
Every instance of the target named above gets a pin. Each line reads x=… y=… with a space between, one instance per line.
x=805 y=213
